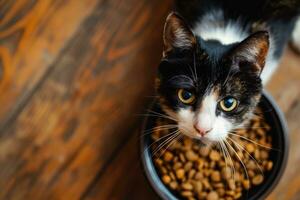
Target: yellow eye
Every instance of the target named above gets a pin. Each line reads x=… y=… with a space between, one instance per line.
x=228 y=104
x=186 y=96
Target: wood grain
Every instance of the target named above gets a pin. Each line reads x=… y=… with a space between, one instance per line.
x=82 y=111
x=32 y=34
x=123 y=178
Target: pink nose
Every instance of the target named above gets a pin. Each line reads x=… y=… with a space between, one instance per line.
x=202 y=131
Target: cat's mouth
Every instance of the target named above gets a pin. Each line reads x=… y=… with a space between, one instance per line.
x=210 y=136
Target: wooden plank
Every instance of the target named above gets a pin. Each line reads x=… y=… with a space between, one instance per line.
x=123 y=178
x=32 y=34
x=284 y=85
x=83 y=110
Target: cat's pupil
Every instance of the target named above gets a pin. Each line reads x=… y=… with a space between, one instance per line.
x=228 y=102
x=186 y=95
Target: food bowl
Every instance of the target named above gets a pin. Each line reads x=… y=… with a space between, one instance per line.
x=273 y=117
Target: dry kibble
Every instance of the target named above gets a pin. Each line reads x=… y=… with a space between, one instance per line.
x=250 y=148
x=251 y=173
x=221 y=191
x=246 y=184
x=168 y=156
x=258 y=179
x=198 y=176
x=257 y=154
x=212 y=196
x=204 y=151
x=207 y=172
x=166 y=179
x=173 y=185
x=216 y=176
x=177 y=165
x=195 y=171
x=202 y=195
x=191 y=155
x=188 y=143
x=180 y=173
x=188 y=166
x=187 y=193
x=164 y=170
x=191 y=174
x=198 y=187
x=251 y=165
x=158 y=161
x=230 y=193
x=205 y=183
x=182 y=158
x=219 y=185
x=187 y=186
x=264 y=155
x=214 y=155
x=172 y=175
x=200 y=163
x=269 y=165
x=237 y=195
x=226 y=173
x=231 y=184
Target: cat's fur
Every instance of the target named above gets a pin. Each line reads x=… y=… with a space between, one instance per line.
x=219 y=48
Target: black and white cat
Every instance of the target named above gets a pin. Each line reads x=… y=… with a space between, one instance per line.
x=217 y=56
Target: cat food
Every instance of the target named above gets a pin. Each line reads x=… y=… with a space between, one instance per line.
x=196 y=171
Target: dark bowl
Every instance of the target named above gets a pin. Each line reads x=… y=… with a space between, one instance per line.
x=279 y=133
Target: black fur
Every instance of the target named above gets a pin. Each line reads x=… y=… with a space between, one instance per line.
x=279 y=15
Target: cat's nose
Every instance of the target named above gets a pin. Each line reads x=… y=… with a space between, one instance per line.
x=201 y=130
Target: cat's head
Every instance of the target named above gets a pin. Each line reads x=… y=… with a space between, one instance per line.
x=208 y=88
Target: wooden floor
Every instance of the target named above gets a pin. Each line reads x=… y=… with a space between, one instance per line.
x=74 y=75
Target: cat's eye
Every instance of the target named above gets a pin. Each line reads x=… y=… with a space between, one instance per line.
x=228 y=104
x=186 y=96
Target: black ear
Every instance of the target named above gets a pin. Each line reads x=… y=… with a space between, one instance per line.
x=177 y=34
x=252 y=52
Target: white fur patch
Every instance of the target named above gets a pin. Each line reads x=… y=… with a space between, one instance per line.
x=269 y=69
x=213 y=27
x=296 y=35
x=207 y=119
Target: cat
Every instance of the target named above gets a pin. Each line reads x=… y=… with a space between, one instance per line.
x=217 y=55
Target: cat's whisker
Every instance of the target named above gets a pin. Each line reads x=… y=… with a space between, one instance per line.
x=170 y=144
x=159 y=128
x=165 y=136
x=252 y=127
x=241 y=149
x=241 y=161
x=160 y=115
x=160 y=146
x=233 y=170
x=245 y=138
x=223 y=152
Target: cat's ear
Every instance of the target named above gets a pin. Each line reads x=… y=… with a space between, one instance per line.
x=252 y=52
x=177 y=34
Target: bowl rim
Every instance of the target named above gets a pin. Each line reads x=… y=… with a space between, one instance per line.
x=162 y=190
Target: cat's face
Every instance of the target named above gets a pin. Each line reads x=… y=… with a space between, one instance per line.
x=209 y=89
